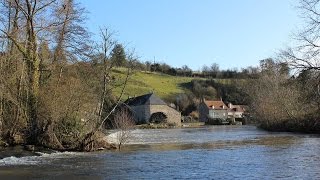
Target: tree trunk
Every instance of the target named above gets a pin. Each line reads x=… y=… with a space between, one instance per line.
x=49 y=139
x=34 y=74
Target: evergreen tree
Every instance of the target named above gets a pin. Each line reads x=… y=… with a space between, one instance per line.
x=118 y=55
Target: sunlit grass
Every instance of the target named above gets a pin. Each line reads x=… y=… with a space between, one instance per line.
x=165 y=86
x=141 y=82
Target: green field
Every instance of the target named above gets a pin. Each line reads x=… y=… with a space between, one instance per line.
x=165 y=86
x=141 y=82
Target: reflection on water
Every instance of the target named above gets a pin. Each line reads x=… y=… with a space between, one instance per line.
x=218 y=152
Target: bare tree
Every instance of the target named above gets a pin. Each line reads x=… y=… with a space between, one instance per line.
x=124 y=123
x=108 y=85
x=214 y=70
x=71 y=36
x=43 y=97
x=306 y=55
x=274 y=97
x=205 y=70
x=24 y=25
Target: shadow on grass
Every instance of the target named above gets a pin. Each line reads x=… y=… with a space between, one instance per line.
x=186 y=85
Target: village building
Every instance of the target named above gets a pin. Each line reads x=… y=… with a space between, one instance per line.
x=212 y=110
x=236 y=111
x=144 y=106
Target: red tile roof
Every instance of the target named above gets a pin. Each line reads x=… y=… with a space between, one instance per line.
x=215 y=104
x=237 y=108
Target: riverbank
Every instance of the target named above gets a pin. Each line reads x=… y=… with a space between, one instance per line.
x=96 y=143
x=308 y=125
x=170 y=126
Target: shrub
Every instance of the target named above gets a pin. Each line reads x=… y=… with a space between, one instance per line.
x=69 y=129
x=194 y=115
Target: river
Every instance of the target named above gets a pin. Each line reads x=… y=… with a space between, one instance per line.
x=216 y=152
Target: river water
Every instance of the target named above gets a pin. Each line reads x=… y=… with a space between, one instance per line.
x=216 y=152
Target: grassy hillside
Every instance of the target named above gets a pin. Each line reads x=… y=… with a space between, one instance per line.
x=141 y=82
x=167 y=87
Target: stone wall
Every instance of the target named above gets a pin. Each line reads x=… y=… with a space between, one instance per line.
x=141 y=113
x=173 y=115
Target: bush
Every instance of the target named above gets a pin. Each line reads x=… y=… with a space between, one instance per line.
x=194 y=115
x=69 y=129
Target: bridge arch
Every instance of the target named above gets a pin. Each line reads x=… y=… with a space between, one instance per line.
x=158 y=117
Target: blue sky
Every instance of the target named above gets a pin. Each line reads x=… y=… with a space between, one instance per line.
x=233 y=33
